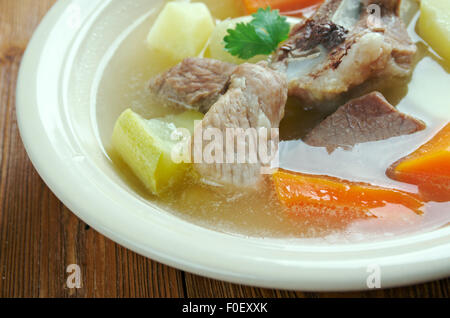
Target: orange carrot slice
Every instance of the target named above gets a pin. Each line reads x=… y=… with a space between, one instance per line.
x=287 y=7
x=428 y=167
x=349 y=199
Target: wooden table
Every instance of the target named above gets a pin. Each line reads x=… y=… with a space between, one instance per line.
x=40 y=237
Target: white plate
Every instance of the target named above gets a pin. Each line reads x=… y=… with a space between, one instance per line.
x=57 y=119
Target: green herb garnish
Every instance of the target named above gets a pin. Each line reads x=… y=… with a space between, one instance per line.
x=261 y=36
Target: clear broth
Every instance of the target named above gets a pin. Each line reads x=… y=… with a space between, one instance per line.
x=424 y=95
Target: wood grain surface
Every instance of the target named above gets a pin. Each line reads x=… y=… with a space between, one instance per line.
x=40 y=237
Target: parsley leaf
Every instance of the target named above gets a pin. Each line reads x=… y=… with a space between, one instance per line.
x=271 y=24
x=245 y=42
x=259 y=37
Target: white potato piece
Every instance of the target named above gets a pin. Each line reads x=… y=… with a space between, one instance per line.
x=434 y=25
x=181 y=30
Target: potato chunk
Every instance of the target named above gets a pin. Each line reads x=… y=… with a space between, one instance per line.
x=146 y=146
x=181 y=30
x=434 y=25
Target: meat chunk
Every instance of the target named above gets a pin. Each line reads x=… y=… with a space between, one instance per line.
x=255 y=98
x=364 y=119
x=195 y=83
x=342 y=46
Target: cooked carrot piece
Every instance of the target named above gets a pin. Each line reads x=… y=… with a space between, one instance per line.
x=428 y=167
x=300 y=190
x=288 y=7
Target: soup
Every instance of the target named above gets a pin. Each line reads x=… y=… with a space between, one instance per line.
x=259 y=211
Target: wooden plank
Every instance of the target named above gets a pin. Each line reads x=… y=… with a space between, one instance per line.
x=39 y=237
